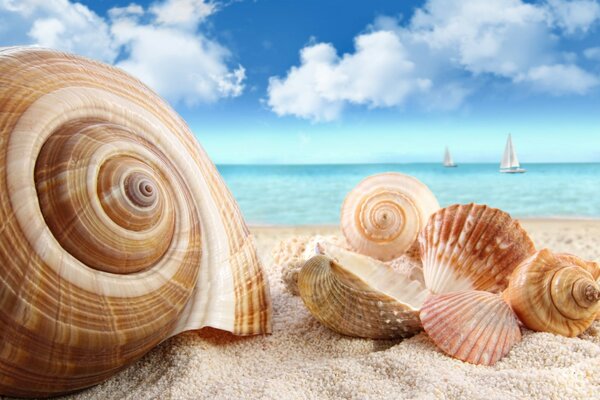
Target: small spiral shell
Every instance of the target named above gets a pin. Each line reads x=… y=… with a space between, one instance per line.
x=554 y=293
x=382 y=216
x=116 y=230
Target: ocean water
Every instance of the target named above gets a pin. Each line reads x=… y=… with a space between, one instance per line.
x=313 y=194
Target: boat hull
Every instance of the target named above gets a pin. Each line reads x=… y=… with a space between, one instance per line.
x=513 y=171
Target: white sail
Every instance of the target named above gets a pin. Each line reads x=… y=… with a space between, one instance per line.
x=509 y=159
x=448 y=161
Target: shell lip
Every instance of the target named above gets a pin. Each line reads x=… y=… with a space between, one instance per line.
x=365 y=273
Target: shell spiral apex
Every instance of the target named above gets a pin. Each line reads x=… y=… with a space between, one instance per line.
x=117 y=231
x=555 y=293
x=472 y=247
x=382 y=216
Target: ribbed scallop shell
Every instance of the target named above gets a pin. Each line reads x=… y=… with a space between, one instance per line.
x=473 y=326
x=554 y=293
x=117 y=231
x=382 y=216
x=465 y=247
x=358 y=296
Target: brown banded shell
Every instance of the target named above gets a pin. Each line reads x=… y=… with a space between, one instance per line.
x=554 y=293
x=472 y=247
x=359 y=296
x=117 y=230
x=473 y=326
x=382 y=216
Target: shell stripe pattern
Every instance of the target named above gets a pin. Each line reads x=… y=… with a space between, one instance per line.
x=474 y=326
x=472 y=246
x=65 y=324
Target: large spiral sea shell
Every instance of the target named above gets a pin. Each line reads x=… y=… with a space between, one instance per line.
x=116 y=231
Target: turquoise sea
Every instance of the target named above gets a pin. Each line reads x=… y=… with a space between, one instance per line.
x=313 y=194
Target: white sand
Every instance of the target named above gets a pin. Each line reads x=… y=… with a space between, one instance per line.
x=304 y=360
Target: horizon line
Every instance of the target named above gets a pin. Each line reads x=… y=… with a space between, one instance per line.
x=398 y=163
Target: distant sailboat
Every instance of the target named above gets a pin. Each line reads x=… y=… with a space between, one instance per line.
x=448 y=161
x=510 y=162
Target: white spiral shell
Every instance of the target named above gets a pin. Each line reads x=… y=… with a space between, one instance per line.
x=383 y=215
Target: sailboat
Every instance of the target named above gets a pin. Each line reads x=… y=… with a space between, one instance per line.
x=448 y=161
x=510 y=162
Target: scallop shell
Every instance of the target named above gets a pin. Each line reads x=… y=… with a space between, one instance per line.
x=472 y=247
x=359 y=296
x=117 y=231
x=382 y=216
x=554 y=293
x=473 y=326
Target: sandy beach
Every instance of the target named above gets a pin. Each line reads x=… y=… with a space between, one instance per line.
x=304 y=360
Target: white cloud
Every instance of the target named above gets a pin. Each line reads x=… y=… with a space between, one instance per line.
x=377 y=74
x=59 y=24
x=436 y=58
x=575 y=15
x=561 y=79
x=187 y=13
x=128 y=11
x=162 y=45
x=171 y=57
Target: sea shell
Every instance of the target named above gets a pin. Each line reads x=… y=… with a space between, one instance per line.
x=554 y=293
x=359 y=296
x=116 y=230
x=382 y=216
x=472 y=247
x=291 y=254
x=473 y=326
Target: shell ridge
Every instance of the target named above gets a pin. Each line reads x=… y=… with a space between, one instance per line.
x=483 y=316
x=494 y=315
x=479 y=327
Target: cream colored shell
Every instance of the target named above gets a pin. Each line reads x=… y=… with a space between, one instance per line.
x=117 y=232
x=472 y=246
x=359 y=296
x=554 y=293
x=382 y=216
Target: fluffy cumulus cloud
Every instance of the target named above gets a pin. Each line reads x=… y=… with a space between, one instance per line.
x=378 y=74
x=162 y=45
x=437 y=57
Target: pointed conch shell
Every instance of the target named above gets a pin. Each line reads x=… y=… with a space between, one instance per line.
x=117 y=231
x=554 y=293
x=359 y=296
x=382 y=216
x=472 y=247
x=473 y=326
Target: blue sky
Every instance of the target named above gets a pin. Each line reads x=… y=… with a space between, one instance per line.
x=273 y=81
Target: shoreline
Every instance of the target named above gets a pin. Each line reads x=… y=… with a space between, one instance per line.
x=526 y=220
